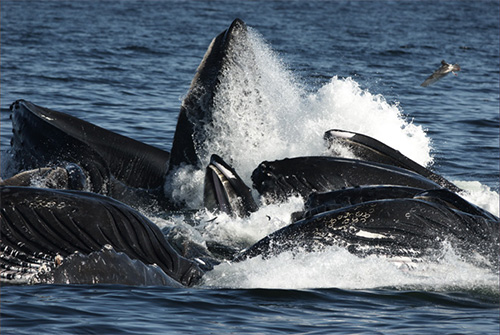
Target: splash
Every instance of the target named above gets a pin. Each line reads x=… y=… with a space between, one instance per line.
x=244 y=232
x=263 y=112
x=336 y=267
x=481 y=195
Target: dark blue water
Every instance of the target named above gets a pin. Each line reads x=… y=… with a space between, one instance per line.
x=126 y=65
x=131 y=310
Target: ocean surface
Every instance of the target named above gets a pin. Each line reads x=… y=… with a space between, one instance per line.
x=354 y=65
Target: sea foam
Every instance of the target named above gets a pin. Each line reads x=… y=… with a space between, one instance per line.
x=262 y=111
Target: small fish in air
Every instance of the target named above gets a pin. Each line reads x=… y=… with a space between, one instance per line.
x=440 y=73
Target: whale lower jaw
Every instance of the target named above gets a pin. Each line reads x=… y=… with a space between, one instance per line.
x=40 y=225
x=196 y=108
x=225 y=191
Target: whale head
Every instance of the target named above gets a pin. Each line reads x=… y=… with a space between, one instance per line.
x=225 y=191
x=196 y=108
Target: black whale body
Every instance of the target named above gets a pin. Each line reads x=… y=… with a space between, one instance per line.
x=43 y=136
x=369 y=149
x=388 y=219
x=302 y=176
x=42 y=225
x=196 y=108
x=417 y=228
x=134 y=172
x=115 y=165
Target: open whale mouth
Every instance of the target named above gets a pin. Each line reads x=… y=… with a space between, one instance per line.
x=225 y=191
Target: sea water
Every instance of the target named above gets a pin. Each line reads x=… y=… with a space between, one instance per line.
x=126 y=66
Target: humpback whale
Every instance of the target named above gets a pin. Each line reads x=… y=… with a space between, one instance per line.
x=196 y=108
x=123 y=168
x=302 y=176
x=413 y=227
x=46 y=143
x=381 y=203
x=43 y=136
x=369 y=149
x=114 y=165
x=38 y=225
x=225 y=190
x=403 y=214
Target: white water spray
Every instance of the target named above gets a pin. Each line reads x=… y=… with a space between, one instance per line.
x=262 y=112
x=336 y=267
